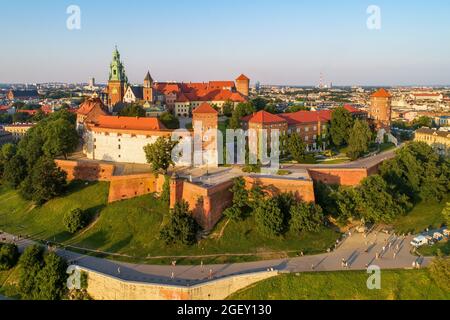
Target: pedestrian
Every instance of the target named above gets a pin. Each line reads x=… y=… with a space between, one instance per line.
x=210 y=273
x=172 y=275
x=383 y=249
x=397 y=247
x=395 y=255
x=414 y=264
x=302 y=254
x=118 y=270
x=312 y=267
x=377 y=256
x=201 y=266
x=349 y=233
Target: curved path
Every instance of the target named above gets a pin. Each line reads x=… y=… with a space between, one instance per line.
x=358 y=250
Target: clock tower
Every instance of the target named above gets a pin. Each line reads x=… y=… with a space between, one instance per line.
x=118 y=80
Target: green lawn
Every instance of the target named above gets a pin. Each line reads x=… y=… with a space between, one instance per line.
x=131 y=228
x=395 y=285
x=424 y=215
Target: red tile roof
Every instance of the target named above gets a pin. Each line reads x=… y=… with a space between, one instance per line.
x=205 y=108
x=87 y=106
x=130 y=123
x=29 y=112
x=242 y=77
x=307 y=116
x=263 y=117
x=381 y=93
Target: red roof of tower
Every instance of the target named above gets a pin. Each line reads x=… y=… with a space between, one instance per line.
x=205 y=108
x=242 y=77
x=381 y=93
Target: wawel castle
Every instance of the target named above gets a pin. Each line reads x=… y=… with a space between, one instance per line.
x=179 y=98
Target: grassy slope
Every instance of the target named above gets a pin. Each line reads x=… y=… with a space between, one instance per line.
x=395 y=285
x=424 y=215
x=8 y=283
x=132 y=227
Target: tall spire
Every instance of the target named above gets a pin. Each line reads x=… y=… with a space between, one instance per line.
x=117 y=69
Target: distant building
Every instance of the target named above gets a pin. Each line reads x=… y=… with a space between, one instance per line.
x=380 y=111
x=22 y=95
x=18 y=130
x=89 y=112
x=439 y=140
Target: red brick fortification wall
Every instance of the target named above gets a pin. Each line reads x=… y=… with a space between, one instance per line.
x=302 y=189
x=342 y=176
x=85 y=170
x=127 y=187
x=207 y=204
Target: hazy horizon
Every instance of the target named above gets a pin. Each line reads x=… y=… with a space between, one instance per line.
x=275 y=42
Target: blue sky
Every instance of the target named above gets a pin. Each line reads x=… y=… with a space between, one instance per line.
x=273 y=41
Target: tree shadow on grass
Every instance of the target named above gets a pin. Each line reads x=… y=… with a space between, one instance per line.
x=76 y=186
x=116 y=247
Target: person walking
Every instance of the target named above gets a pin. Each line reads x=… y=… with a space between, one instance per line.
x=172 y=276
x=201 y=266
x=118 y=270
x=210 y=274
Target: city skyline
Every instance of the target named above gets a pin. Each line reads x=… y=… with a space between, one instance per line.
x=202 y=41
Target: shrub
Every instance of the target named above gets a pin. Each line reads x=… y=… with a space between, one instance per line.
x=75 y=220
x=306 y=217
x=9 y=254
x=269 y=218
x=181 y=228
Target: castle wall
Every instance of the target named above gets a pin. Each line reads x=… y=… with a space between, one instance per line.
x=128 y=187
x=106 y=287
x=85 y=170
x=342 y=176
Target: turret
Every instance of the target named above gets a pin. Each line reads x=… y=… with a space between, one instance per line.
x=243 y=85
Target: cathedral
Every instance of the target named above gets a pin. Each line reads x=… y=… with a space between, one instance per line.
x=179 y=98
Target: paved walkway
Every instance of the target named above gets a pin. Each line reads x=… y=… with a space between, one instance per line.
x=357 y=250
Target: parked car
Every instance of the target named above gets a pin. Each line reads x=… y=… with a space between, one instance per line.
x=419 y=241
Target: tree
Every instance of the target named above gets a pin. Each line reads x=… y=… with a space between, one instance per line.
x=61 y=138
x=259 y=103
x=30 y=263
x=269 y=218
x=418 y=172
x=446 y=214
x=440 y=271
x=75 y=220
x=241 y=110
x=376 y=203
x=181 y=228
x=240 y=200
x=227 y=108
x=159 y=154
x=9 y=254
x=51 y=279
x=14 y=171
x=359 y=141
x=296 y=147
x=346 y=203
x=165 y=194
x=45 y=181
x=306 y=217
x=169 y=120
x=422 y=121
x=341 y=125
x=132 y=110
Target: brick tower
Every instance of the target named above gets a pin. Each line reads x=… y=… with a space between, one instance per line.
x=206 y=118
x=243 y=85
x=148 y=88
x=118 y=80
x=380 y=111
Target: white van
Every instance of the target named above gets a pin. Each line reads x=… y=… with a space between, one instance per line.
x=419 y=241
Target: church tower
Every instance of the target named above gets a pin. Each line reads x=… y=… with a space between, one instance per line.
x=148 y=88
x=118 y=80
